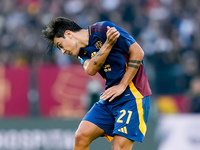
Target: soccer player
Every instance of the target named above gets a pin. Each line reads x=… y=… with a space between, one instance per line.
x=122 y=112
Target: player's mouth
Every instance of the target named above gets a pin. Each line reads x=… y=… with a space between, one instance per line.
x=69 y=53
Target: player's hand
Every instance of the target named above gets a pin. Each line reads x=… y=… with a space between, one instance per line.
x=113 y=92
x=112 y=35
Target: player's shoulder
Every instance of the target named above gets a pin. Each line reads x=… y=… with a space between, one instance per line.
x=104 y=24
x=100 y=28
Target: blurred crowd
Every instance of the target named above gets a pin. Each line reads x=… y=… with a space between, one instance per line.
x=167 y=30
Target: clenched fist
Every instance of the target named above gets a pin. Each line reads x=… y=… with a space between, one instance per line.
x=112 y=35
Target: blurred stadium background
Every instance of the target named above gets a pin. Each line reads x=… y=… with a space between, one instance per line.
x=44 y=95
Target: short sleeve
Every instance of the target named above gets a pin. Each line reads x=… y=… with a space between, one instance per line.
x=125 y=40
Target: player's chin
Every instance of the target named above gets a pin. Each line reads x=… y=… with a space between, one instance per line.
x=72 y=54
x=75 y=54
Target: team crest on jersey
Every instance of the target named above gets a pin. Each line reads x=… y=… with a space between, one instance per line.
x=98 y=44
x=85 y=52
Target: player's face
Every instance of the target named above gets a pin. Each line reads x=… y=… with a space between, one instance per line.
x=67 y=45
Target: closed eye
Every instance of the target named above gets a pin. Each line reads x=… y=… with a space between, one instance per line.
x=59 y=46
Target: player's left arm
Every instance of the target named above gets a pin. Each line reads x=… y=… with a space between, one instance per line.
x=136 y=55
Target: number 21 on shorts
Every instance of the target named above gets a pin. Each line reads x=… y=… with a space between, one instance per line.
x=123 y=113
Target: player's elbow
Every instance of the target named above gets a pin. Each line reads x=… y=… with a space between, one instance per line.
x=142 y=54
x=90 y=72
x=136 y=51
x=139 y=54
x=88 y=68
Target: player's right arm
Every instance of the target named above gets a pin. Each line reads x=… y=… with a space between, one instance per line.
x=92 y=66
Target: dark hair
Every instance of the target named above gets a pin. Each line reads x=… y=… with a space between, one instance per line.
x=57 y=28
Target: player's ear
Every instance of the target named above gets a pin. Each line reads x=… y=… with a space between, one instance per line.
x=68 y=34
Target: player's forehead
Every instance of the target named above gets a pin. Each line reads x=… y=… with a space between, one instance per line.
x=57 y=40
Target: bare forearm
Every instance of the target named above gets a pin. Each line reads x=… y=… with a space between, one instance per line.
x=136 y=55
x=135 y=59
x=128 y=76
x=93 y=65
x=98 y=60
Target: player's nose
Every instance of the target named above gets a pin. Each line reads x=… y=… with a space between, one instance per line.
x=63 y=51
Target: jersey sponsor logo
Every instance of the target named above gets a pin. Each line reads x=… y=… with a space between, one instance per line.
x=123 y=130
x=98 y=44
x=93 y=54
x=107 y=68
